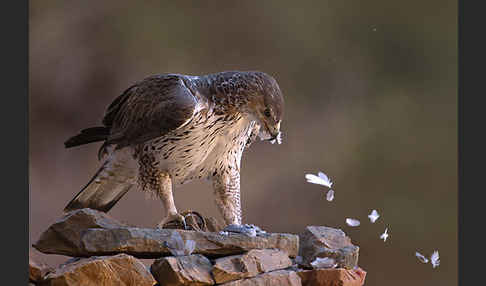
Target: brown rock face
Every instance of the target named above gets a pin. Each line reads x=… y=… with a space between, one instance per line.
x=37 y=270
x=65 y=234
x=279 y=277
x=191 y=270
x=149 y=243
x=183 y=255
x=86 y=232
x=332 y=277
x=249 y=264
x=121 y=269
x=321 y=241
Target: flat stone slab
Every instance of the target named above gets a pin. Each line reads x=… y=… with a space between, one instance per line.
x=250 y=264
x=322 y=241
x=86 y=232
x=332 y=277
x=64 y=235
x=149 y=243
x=120 y=270
x=183 y=270
x=279 y=277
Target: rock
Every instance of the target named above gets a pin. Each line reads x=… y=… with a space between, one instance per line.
x=120 y=269
x=250 y=264
x=65 y=234
x=332 y=277
x=183 y=270
x=149 y=243
x=86 y=232
x=321 y=241
x=279 y=277
x=37 y=270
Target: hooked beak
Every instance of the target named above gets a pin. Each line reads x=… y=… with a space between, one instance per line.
x=274 y=132
x=272 y=138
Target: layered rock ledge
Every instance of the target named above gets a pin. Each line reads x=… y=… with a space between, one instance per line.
x=106 y=252
x=85 y=233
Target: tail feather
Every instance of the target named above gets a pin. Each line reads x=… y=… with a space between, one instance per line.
x=103 y=191
x=88 y=135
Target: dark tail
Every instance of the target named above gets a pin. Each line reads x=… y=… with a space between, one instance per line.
x=89 y=135
x=104 y=190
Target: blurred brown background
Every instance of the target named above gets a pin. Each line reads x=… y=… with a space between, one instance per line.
x=371 y=100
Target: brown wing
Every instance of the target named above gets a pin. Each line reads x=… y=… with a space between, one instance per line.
x=149 y=109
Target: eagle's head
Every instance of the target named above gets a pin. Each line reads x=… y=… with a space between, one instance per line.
x=252 y=92
x=268 y=106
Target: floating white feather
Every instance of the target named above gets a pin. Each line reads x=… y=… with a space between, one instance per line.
x=330 y=195
x=384 y=235
x=434 y=259
x=320 y=179
x=373 y=216
x=422 y=258
x=352 y=222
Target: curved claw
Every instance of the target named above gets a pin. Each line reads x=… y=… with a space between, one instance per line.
x=173 y=218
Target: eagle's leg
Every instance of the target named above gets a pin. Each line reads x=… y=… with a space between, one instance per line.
x=165 y=194
x=227 y=196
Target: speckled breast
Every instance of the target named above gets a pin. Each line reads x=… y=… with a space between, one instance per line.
x=205 y=145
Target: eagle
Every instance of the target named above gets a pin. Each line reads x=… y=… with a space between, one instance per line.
x=169 y=129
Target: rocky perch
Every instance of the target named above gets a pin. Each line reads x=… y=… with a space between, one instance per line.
x=106 y=252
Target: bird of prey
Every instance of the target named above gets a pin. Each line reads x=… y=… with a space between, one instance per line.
x=168 y=129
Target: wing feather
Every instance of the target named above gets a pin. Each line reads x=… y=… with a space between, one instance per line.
x=149 y=109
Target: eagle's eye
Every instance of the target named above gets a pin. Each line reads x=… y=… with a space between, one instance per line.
x=267 y=112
